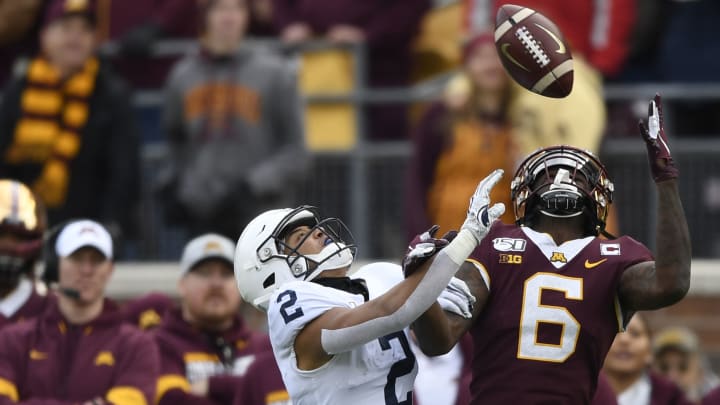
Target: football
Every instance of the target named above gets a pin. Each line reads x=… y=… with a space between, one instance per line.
x=533 y=51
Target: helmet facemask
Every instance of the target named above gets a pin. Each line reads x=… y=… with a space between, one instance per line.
x=562 y=182
x=338 y=252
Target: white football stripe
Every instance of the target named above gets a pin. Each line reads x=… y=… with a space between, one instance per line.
x=550 y=77
x=517 y=17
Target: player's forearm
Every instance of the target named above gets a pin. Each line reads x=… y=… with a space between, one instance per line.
x=672 y=263
x=403 y=304
x=433 y=333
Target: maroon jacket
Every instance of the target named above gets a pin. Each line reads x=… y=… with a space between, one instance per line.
x=48 y=361
x=604 y=394
x=665 y=392
x=146 y=312
x=262 y=384
x=189 y=354
x=30 y=309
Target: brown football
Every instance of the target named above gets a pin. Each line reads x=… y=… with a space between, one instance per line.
x=533 y=51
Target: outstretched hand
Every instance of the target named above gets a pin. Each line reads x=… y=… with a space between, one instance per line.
x=662 y=166
x=480 y=214
x=423 y=247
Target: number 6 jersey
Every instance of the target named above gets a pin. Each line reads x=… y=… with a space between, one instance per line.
x=379 y=372
x=551 y=315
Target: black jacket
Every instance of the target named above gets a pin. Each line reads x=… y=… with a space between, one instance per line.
x=104 y=176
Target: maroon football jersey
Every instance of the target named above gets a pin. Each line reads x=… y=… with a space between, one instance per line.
x=550 y=317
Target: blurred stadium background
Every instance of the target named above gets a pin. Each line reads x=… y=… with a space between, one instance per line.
x=362 y=182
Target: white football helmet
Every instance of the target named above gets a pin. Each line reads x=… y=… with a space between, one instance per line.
x=263 y=261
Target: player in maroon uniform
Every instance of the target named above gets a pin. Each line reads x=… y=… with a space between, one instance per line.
x=22 y=223
x=550 y=295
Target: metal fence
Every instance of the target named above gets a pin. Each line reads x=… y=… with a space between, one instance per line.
x=365 y=186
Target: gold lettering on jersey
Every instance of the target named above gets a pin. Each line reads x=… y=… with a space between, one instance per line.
x=510 y=259
x=558 y=257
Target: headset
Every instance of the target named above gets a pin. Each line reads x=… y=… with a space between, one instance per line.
x=51 y=262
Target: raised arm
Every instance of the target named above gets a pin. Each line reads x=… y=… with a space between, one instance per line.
x=342 y=329
x=438 y=330
x=652 y=285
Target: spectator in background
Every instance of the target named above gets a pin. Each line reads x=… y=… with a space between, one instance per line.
x=18 y=32
x=135 y=26
x=22 y=223
x=599 y=31
x=263 y=384
x=679 y=358
x=627 y=369
x=471 y=122
x=689 y=53
x=66 y=126
x=232 y=116
x=79 y=350
x=386 y=27
x=205 y=346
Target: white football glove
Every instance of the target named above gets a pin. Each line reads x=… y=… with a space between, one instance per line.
x=457 y=298
x=480 y=216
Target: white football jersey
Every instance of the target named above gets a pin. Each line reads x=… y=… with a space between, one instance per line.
x=379 y=372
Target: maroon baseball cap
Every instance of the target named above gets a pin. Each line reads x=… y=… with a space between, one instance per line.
x=58 y=9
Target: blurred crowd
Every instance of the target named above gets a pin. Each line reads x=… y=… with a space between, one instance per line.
x=241 y=140
x=232 y=116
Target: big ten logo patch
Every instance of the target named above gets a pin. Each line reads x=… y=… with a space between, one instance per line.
x=510 y=259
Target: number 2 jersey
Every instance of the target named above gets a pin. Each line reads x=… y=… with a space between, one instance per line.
x=551 y=315
x=379 y=372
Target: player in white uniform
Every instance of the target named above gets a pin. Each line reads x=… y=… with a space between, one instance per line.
x=333 y=344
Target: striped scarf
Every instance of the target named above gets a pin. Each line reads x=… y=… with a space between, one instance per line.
x=54 y=112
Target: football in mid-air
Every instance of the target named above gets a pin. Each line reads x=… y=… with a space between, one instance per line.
x=533 y=51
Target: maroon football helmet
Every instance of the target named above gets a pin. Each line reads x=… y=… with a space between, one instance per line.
x=22 y=224
x=562 y=182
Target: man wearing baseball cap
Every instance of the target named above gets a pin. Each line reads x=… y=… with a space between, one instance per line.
x=79 y=350
x=679 y=357
x=205 y=346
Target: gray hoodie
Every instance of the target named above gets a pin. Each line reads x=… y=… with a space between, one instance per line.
x=234 y=123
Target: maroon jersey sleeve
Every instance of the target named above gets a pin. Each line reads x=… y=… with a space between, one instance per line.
x=551 y=315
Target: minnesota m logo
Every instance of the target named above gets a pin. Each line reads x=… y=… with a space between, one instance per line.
x=558 y=257
x=104 y=357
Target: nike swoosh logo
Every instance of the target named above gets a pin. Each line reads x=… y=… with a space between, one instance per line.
x=36 y=355
x=561 y=47
x=503 y=49
x=589 y=265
